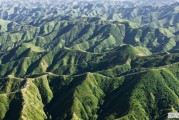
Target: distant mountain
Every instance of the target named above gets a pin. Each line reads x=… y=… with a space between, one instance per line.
x=136 y=2
x=154 y=2
x=94 y=27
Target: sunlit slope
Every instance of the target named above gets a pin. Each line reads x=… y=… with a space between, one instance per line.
x=92 y=35
x=148 y=94
x=28 y=59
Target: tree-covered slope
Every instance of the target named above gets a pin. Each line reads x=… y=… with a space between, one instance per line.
x=88 y=60
x=148 y=94
x=90 y=34
x=74 y=84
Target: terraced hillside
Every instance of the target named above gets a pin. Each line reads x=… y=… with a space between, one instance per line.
x=88 y=60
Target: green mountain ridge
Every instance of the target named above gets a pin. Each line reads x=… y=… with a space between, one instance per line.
x=101 y=93
x=127 y=82
x=92 y=35
x=64 y=61
x=88 y=60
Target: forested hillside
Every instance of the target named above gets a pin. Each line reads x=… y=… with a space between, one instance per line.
x=89 y=60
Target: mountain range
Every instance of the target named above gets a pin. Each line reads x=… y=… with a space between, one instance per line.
x=89 y=60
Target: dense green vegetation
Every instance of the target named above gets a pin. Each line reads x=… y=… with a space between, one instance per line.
x=88 y=60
